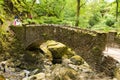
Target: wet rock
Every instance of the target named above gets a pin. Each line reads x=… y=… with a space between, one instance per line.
x=114 y=78
x=26 y=73
x=85 y=68
x=77 y=60
x=22 y=74
x=34 y=72
x=7 y=66
x=2 y=66
x=63 y=73
x=66 y=62
x=39 y=76
x=47 y=62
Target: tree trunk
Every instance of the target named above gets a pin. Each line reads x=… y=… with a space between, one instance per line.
x=117 y=5
x=78 y=13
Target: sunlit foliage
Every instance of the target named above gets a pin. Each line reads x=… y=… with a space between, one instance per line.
x=93 y=13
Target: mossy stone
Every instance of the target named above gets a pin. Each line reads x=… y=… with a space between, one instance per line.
x=63 y=73
x=57 y=50
x=117 y=73
x=77 y=60
x=68 y=53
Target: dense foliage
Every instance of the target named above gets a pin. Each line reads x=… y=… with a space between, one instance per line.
x=95 y=14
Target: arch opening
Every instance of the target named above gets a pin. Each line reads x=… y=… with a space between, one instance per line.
x=55 y=51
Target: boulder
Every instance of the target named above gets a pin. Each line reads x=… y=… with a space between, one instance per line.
x=7 y=66
x=44 y=48
x=39 y=76
x=68 y=53
x=55 y=51
x=63 y=73
x=77 y=60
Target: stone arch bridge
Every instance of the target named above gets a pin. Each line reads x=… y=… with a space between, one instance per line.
x=88 y=44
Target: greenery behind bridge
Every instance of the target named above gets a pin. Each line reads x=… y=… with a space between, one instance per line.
x=95 y=15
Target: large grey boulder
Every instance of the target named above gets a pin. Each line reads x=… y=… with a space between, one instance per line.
x=55 y=51
x=63 y=73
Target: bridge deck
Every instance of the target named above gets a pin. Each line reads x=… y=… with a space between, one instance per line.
x=113 y=52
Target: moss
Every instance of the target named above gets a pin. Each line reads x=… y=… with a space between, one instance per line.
x=2 y=77
x=77 y=60
x=46 y=51
x=117 y=73
x=57 y=49
x=68 y=53
x=96 y=50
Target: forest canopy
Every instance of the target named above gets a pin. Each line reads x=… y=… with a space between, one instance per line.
x=90 y=14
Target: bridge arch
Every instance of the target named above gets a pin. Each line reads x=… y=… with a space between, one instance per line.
x=87 y=44
x=53 y=50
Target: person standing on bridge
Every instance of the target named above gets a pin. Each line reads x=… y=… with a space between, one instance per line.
x=16 y=21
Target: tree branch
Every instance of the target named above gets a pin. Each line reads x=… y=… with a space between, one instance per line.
x=82 y=4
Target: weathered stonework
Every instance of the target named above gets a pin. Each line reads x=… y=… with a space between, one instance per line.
x=87 y=44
